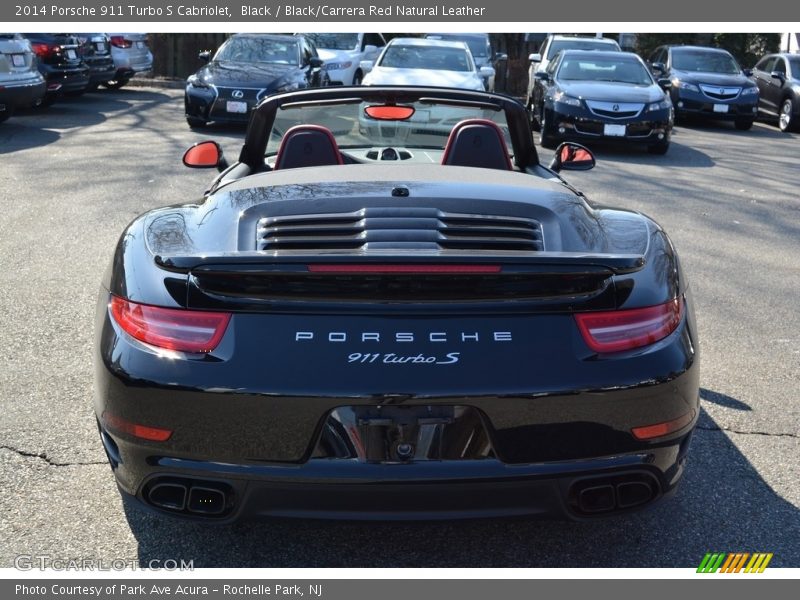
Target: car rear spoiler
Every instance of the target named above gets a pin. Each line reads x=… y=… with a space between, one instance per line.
x=567 y=262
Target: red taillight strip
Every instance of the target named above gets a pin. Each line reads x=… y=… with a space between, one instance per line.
x=153 y=434
x=614 y=331
x=409 y=269
x=649 y=432
x=170 y=328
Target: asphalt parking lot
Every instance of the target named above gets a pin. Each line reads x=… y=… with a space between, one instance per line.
x=74 y=175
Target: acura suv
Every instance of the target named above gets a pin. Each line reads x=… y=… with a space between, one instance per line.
x=20 y=83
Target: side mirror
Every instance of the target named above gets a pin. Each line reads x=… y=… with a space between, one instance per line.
x=665 y=84
x=486 y=71
x=205 y=56
x=205 y=155
x=778 y=75
x=370 y=49
x=748 y=72
x=366 y=66
x=543 y=75
x=572 y=157
x=658 y=67
x=315 y=62
x=500 y=56
x=535 y=57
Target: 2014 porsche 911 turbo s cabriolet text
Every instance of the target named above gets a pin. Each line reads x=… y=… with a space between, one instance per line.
x=394 y=322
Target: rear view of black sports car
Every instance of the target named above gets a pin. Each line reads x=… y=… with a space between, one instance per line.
x=594 y=95
x=245 y=69
x=394 y=324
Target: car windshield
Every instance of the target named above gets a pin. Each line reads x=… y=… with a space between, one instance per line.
x=258 y=50
x=596 y=68
x=580 y=44
x=334 y=41
x=704 y=62
x=439 y=58
x=426 y=130
x=477 y=45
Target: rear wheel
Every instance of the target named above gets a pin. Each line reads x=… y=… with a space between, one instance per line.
x=49 y=100
x=547 y=138
x=786 y=120
x=115 y=84
x=743 y=124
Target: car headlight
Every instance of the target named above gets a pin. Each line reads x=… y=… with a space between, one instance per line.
x=685 y=85
x=750 y=91
x=337 y=66
x=662 y=105
x=195 y=81
x=562 y=98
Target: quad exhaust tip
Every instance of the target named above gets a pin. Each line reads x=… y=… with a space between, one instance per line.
x=187 y=496
x=606 y=495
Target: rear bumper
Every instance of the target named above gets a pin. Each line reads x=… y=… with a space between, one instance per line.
x=23 y=93
x=64 y=79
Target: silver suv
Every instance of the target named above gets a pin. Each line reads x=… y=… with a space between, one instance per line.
x=21 y=84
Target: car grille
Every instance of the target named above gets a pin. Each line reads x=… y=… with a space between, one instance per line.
x=251 y=95
x=615 y=110
x=720 y=93
x=399 y=228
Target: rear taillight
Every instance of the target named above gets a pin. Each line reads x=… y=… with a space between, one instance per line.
x=120 y=42
x=174 y=329
x=44 y=50
x=618 y=330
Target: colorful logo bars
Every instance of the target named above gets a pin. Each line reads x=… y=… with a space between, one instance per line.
x=734 y=562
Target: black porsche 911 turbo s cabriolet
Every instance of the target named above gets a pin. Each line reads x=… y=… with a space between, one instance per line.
x=392 y=323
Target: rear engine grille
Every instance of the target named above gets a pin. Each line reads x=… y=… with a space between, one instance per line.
x=399 y=228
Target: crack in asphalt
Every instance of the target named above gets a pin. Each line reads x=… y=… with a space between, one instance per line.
x=43 y=456
x=740 y=432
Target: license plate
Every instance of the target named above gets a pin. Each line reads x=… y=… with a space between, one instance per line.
x=71 y=54
x=721 y=108
x=140 y=45
x=101 y=46
x=237 y=107
x=614 y=130
x=18 y=60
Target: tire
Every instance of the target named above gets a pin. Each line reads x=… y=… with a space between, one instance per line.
x=92 y=87
x=658 y=148
x=49 y=100
x=547 y=139
x=6 y=114
x=358 y=78
x=786 y=120
x=743 y=124
x=196 y=122
x=535 y=126
x=115 y=84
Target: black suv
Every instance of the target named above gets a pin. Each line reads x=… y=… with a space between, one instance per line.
x=61 y=64
x=95 y=49
x=707 y=82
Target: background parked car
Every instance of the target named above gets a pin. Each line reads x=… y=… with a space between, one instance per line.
x=416 y=61
x=778 y=80
x=482 y=53
x=21 y=84
x=247 y=67
x=343 y=53
x=593 y=95
x=131 y=55
x=60 y=62
x=95 y=49
x=707 y=82
x=552 y=45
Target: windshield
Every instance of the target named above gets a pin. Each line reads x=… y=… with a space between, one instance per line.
x=334 y=41
x=426 y=57
x=477 y=45
x=596 y=68
x=427 y=129
x=259 y=50
x=580 y=44
x=705 y=62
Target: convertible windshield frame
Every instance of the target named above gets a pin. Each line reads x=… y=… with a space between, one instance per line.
x=259 y=130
